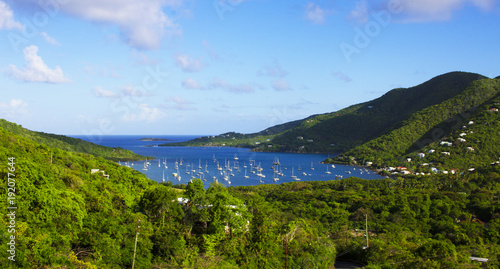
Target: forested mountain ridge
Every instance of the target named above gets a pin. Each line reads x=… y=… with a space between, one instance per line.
x=342 y=130
x=71 y=144
x=350 y=127
x=461 y=133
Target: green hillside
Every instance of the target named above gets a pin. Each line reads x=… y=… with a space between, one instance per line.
x=71 y=144
x=426 y=129
x=360 y=123
x=65 y=214
x=350 y=127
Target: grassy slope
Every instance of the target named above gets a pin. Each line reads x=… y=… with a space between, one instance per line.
x=71 y=144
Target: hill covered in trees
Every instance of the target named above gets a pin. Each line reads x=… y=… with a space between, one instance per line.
x=460 y=133
x=350 y=127
x=71 y=144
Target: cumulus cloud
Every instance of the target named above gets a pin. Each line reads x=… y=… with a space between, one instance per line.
x=178 y=103
x=104 y=71
x=191 y=84
x=187 y=64
x=360 y=13
x=430 y=10
x=100 y=92
x=15 y=107
x=130 y=90
x=222 y=84
x=281 y=85
x=145 y=113
x=7 y=21
x=126 y=91
x=36 y=70
x=142 y=24
x=314 y=13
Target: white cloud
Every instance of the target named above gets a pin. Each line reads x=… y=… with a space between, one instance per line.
x=7 y=21
x=129 y=90
x=315 y=14
x=187 y=64
x=222 y=84
x=274 y=70
x=281 y=85
x=142 y=24
x=49 y=39
x=145 y=114
x=14 y=108
x=36 y=70
x=104 y=71
x=360 y=12
x=431 y=10
x=100 y=92
x=191 y=84
x=178 y=103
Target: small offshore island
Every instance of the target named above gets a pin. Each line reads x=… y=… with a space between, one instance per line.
x=154 y=139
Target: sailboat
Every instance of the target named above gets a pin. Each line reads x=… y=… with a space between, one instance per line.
x=163 y=179
x=327 y=172
x=177 y=175
x=275 y=178
x=312 y=168
x=293 y=177
x=246 y=174
x=159 y=163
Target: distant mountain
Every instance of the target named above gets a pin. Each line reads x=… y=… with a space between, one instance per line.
x=70 y=144
x=350 y=127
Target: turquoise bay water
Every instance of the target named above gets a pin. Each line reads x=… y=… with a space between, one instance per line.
x=306 y=167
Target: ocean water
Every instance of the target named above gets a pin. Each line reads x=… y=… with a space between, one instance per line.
x=241 y=162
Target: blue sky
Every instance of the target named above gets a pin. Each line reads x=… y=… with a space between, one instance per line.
x=107 y=67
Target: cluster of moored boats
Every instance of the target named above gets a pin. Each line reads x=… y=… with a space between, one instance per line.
x=228 y=170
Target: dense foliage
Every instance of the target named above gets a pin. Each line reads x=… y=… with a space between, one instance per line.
x=466 y=121
x=69 y=217
x=71 y=144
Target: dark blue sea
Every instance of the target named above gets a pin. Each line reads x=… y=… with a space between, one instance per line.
x=233 y=163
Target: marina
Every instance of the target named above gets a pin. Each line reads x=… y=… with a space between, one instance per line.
x=227 y=165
